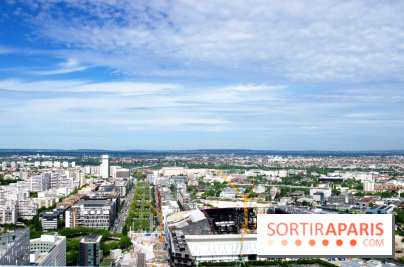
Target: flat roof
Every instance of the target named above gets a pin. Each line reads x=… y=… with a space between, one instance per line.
x=91 y=238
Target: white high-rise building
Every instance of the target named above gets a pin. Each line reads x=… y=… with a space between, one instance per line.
x=48 y=250
x=105 y=166
x=368 y=186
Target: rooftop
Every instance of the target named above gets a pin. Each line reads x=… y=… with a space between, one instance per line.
x=91 y=238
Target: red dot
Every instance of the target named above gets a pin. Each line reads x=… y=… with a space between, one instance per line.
x=325 y=242
x=298 y=242
x=312 y=242
x=353 y=242
x=339 y=242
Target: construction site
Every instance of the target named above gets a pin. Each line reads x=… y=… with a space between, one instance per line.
x=216 y=234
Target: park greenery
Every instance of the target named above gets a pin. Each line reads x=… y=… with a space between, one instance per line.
x=139 y=211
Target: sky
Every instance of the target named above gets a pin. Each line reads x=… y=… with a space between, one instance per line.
x=191 y=74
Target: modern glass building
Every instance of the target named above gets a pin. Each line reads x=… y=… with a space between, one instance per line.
x=90 y=250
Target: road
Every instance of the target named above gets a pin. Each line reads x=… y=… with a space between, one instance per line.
x=121 y=217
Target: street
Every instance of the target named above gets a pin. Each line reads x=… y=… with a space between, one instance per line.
x=121 y=217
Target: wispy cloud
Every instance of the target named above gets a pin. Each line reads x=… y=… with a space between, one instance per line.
x=262 y=73
x=323 y=41
x=71 y=65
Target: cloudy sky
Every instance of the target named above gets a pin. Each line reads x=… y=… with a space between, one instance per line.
x=191 y=74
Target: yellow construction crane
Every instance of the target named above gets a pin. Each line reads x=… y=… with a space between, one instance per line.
x=159 y=213
x=244 y=229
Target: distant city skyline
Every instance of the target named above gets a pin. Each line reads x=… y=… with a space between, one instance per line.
x=185 y=75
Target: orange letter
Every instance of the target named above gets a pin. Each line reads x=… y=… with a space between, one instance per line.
x=293 y=227
x=269 y=227
x=319 y=227
x=286 y=229
x=341 y=227
x=380 y=229
x=364 y=228
x=352 y=229
x=329 y=230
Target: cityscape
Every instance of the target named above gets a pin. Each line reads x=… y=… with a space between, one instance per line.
x=202 y=133
x=174 y=208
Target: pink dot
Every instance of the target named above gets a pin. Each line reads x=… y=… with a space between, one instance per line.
x=298 y=242
x=284 y=242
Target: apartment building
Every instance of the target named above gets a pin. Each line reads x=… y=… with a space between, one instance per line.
x=8 y=212
x=96 y=213
x=184 y=198
x=27 y=208
x=49 y=219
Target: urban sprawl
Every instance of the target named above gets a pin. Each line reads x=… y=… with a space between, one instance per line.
x=181 y=209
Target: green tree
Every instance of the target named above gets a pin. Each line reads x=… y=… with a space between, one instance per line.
x=336 y=192
x=125 y=230
x=124 y=242
x=72 y=257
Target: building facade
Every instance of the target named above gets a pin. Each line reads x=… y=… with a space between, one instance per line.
x=105 y=172
x=48 y=250
x=90 y=250
x=14 y=248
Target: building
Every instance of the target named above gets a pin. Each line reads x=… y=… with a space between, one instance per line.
x=318 y=196
x=381 y=209
x=104 y=166
x=390 y=186
x=184 y=198
x=49 y=219
x=14 y=248
x=209 y=235
x=364 y=202
x=97 y=213
x=368 y=186
x=121 y=173
x=8 y=212
x=325 y=190
x=27 y=208
x=173 y=171
x=48 y=250
x=90 y=250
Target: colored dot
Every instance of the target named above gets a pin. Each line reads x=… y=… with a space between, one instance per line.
x=325 y=242
x=284 y=242
x=270 y=242
x=298 y=242
x=353 y=242
x=312 y=242
x=339 y=242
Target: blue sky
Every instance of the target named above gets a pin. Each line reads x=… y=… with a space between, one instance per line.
x=284 y=75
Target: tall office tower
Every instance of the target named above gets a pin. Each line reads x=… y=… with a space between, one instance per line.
x=14 y=248
x=90 y=250
x=105 y=166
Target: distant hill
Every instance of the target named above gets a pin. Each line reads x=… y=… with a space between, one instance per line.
x=96 y=152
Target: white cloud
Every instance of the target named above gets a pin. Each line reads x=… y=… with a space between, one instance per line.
x=320 y=40
x=70 y=65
